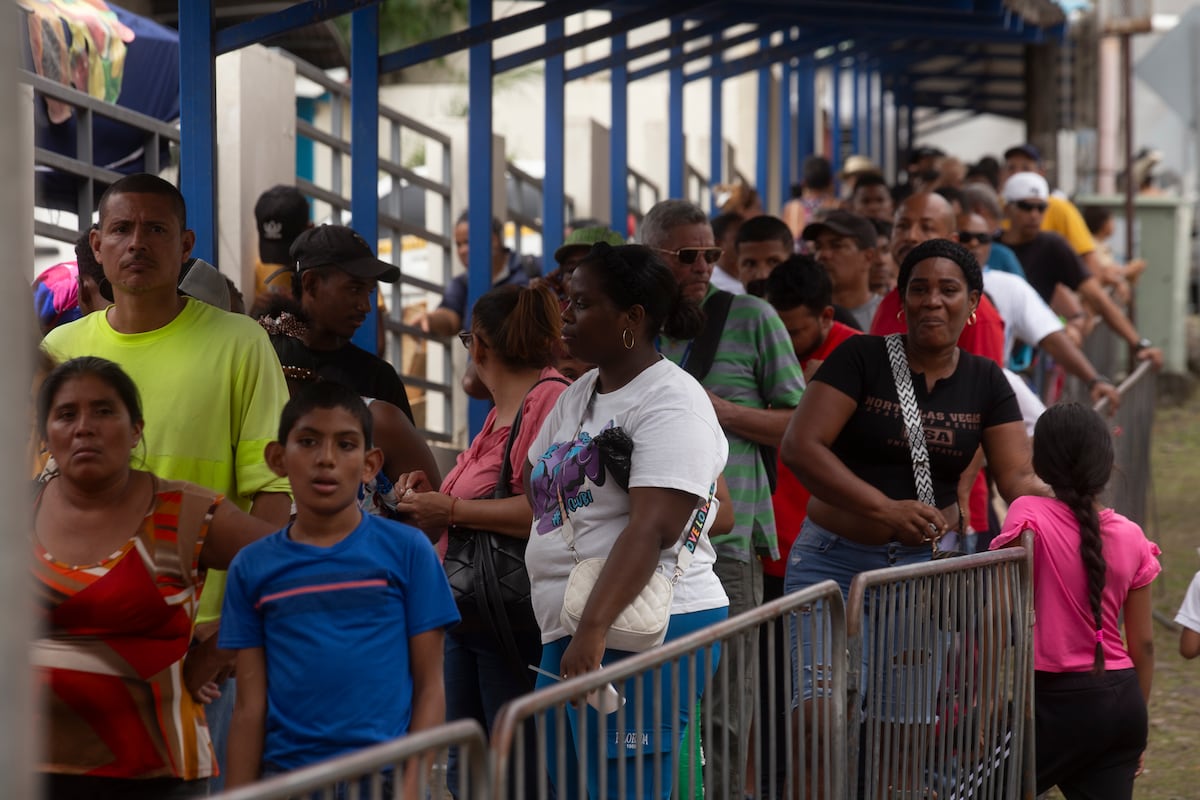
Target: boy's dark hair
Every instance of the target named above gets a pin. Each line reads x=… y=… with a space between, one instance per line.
x=766 y=228
x=145 y=183
x=1073 y=453
x=818 y=173
x=800 y=282
x=868 y=179
x=328 y=395
x=1095 y=217
x=721 y=222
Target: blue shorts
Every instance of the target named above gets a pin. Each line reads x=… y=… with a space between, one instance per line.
x=911 y=669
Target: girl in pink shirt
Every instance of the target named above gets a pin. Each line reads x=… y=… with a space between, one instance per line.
x=1090 y=564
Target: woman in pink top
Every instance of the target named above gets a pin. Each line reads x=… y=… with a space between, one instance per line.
x=1090 y=565
x=513 y=338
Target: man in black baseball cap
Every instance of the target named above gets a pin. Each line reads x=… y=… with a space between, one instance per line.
x=335 y=273
x=281 y=214
x=845 y=244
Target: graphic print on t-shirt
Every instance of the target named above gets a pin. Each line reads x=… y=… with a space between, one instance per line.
x=941 y=427
x=560 y=474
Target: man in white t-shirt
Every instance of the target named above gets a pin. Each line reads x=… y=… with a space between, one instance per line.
x=1026 y=315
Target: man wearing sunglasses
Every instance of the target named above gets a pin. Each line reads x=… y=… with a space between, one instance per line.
x=1048 y=259
x=745 y=360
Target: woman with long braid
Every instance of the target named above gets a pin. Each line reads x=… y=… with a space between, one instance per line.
x=1090 y=565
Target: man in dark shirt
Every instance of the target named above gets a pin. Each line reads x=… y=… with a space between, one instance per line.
x=1049 y=260
x=336 y=273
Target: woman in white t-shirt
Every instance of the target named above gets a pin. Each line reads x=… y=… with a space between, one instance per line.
x=631 y=511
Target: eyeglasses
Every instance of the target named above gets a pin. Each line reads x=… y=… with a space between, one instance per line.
x=966 y=237
x=1025 y=205
x=688 y=255
x=466 y=337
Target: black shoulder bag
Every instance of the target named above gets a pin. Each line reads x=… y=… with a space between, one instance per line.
x=487 y=574
x=704 y=351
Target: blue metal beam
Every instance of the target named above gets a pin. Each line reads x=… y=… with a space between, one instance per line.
x=716 y=130
x=675 y=39
x=297 y=16
x=716 y=47
x=197 y=122
x=480 y=171
x=364 y=146
x=617 y=25
x=787 y=83
x=675 y=141
x=762 y=144
x=618 y=141
x=856 y=103
x=806 y=111
x=481 y=34
x=553 y=189
x=835 y=121
x=753 y=61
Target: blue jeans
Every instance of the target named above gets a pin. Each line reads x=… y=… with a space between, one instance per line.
x=819 y=554
x=479 y=679
x=218 y=714
x=655 y=745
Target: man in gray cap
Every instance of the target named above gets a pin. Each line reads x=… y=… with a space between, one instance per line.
x=336 y=271
x=846 y=246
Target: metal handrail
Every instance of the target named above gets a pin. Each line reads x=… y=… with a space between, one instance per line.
x=1138 y=374
x=465 y=734
x=114 y=112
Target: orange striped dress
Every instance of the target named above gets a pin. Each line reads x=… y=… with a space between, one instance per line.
x=109 y=661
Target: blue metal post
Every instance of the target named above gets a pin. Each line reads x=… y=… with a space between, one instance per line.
x=675 y=142
x=835 y=123
x=806 y=109
x=198 y=122
x=716 y=135
x=786 y=120
x=881 y=124
x=762 y=146
x=364 y=146
x=552 y=182
x=869 y=113
x=479 y=161
x=618 y=142
x=856 y=113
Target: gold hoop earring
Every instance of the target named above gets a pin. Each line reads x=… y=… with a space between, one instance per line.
x=900 y=314
x=627 y=339
x=971 y=319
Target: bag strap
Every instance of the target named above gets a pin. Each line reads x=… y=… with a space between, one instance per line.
x=501 y=491
x=703 y=350
x=488 y=594
x=914 y=430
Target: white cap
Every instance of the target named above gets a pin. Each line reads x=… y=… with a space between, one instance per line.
x=1026 y=186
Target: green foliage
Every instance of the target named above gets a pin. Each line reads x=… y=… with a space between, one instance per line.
x=408 y=22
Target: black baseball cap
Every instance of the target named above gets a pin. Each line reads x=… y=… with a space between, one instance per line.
x=844 y=223
x=923 y=152
x=281 y=214
x=341 y=247
x=1027 y=150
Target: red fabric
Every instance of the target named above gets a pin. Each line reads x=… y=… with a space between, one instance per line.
x=984 y=338
x=791 y=498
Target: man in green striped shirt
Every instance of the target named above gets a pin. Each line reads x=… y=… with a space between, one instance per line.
x=754 y=382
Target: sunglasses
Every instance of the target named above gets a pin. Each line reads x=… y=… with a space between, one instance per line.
x=1025 y=205
x=688 y=255
x=466 y=337
x=966 y=237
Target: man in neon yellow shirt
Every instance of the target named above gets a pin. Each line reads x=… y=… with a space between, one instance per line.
x=211 y=385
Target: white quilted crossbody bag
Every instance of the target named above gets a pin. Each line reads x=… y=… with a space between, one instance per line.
x=643 y=623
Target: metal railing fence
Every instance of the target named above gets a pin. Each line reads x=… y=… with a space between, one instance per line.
x=643 y=195
x=696 y=187
x=1133 y=432
x=385 y=770
x=941 y=672
x=651 y=744
x=91 y=178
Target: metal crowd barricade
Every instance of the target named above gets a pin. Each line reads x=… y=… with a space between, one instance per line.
x=367 y=774
x=941 y=679
x=1133 y=427
x=639 y=750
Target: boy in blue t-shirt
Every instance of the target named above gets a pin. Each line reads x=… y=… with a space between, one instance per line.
x=338 y=619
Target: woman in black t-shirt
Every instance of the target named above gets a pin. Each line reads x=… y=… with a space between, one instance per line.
x=846 y=441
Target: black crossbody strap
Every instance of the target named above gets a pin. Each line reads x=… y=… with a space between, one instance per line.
x=704 y=347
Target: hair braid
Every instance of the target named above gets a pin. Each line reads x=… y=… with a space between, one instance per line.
x=1091 y=548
